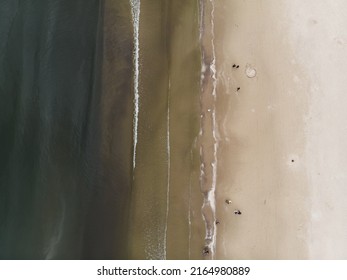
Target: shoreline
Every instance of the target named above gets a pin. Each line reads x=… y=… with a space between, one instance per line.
x=207 y=137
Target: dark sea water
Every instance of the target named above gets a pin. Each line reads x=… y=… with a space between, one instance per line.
x=68 y=189
x=53 y=195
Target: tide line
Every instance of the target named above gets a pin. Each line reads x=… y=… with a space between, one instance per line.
x=135 y=12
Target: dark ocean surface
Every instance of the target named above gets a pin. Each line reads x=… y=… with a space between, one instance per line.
x=67 y=185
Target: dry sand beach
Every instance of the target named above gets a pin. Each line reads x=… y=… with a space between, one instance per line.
x=282 y=134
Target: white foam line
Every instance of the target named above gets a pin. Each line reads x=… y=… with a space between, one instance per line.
x=135 y=12
x=168 y=151
x=209 y=199
x=212 y=193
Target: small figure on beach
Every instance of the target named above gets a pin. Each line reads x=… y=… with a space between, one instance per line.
x=205 y=251
x=228 y=201
x=237 y=212
x=234 y=65
x=217 y=222
x=238 y=88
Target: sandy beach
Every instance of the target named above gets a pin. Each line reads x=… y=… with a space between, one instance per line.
x=282 y=129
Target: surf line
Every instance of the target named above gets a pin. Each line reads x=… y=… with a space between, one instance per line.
x=168 y=152
x=208 y=136
x=135 y=12
x=212 y=197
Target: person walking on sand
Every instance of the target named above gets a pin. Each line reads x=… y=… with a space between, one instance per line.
x=205 y=251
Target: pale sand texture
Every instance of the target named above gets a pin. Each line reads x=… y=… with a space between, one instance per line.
x=282 y=156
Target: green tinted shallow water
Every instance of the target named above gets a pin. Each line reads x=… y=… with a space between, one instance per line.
x=166 y=186
x=67 y=188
